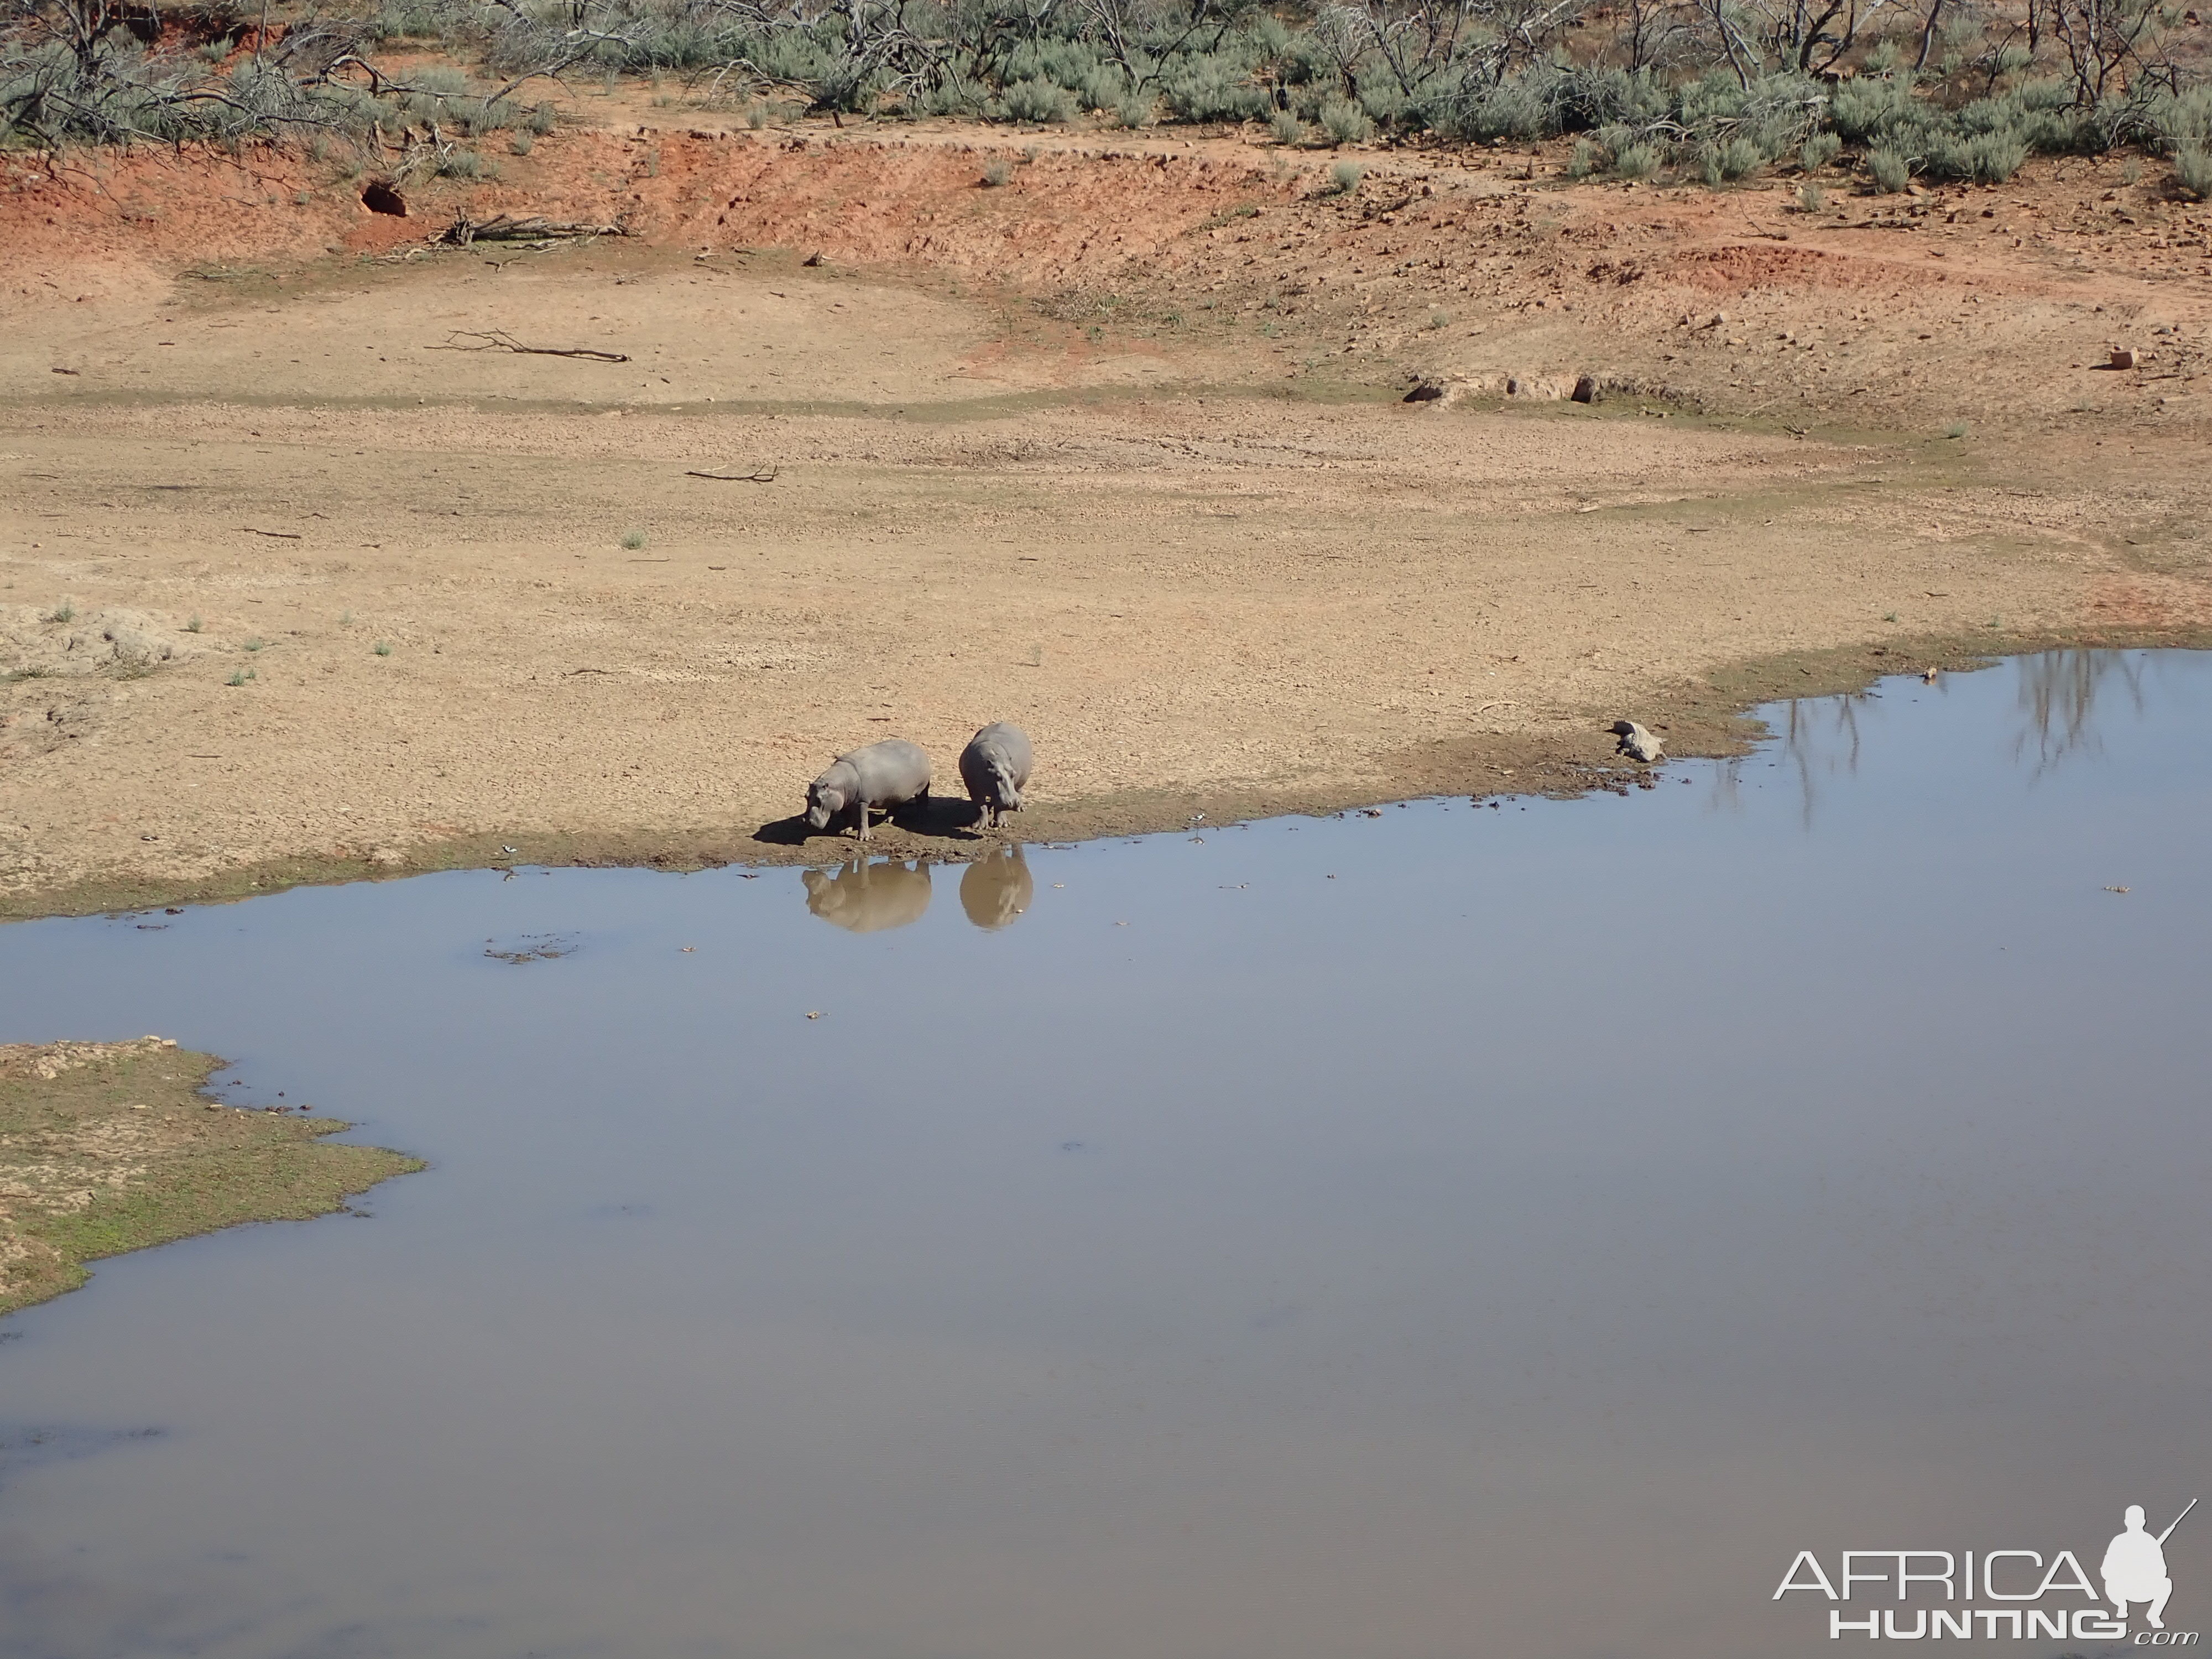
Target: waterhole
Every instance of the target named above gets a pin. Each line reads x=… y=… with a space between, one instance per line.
x=1473 y=1230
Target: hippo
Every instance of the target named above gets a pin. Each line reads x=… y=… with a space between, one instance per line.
x=871 y=780
x=865 y=896
x=997 y=888
x=995 y=767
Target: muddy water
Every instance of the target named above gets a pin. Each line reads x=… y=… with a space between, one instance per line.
x=1459 y=1231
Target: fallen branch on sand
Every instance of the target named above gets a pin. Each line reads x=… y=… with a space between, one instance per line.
x=758 y=475
x=505 y=227
x=498 y=339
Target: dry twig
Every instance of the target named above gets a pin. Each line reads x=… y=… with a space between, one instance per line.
x=498 y=339
x=758 y=475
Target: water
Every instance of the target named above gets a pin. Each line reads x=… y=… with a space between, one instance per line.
x=1461 y=1231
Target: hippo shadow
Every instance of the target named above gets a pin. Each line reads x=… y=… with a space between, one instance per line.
x=939 y=815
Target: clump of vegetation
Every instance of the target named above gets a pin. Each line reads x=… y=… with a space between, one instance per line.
x=1344 y=177
x=1718 y=91
x=382 y=647
x=996 y=172
x=633 y=539
x=106 y=1147
x=2192 y=171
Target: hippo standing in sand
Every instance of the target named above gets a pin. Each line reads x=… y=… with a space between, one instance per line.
x=871 y=780
x=995 y=767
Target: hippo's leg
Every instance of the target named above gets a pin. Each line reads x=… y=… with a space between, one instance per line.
x=864 y=820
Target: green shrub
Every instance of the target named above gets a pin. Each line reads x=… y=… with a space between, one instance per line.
x=1739 y=158
x=1344 y=177
x=1998 y=156
x=1214 y=89
x=1635 y=161
x=996 y=172
x=1819 y=150
x=2192 y=171
x=1345 y=123
x=1037 y=100
x=1891 y=172
x=1286 y=128
x=464 y=164
x=1584 y=160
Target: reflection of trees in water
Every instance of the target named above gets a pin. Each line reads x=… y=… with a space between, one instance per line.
x=1819 y=738
x=2059 y=696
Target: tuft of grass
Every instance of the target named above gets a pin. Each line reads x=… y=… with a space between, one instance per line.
x=382 y=647
x=2131 y=175
x=1811 y=197
x=257 y=645
x=633 y=539
x=239 y=676
x=1286 y=128
x=542 y=119
x=1889 y=615
x=1891 y=172
x=1956 y=429
x=63 y=612
x=464 y=164
x=1440 y=320
x=521 y=143
x=1344 y=177
x=996 y=172
x=1819 y=150
x=193 y=626
x=345 y=619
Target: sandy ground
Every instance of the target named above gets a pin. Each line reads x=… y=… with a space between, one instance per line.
x=291 y=588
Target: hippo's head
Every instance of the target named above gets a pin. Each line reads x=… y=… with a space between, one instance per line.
x=1003 y=785
x=824 y=800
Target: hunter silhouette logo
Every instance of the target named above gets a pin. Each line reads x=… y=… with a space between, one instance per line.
x=2134 y=1574
x=2135 y=1567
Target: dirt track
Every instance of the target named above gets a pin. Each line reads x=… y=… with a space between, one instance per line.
x=1101 y=451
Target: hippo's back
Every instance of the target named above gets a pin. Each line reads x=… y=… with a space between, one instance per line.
x=999 y=741
x=891 y=772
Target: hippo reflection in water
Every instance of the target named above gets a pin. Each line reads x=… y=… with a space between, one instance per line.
x=997 y=888
x=866 y=897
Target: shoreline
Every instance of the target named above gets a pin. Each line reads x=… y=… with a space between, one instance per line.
x=1717 y=722
x=107 y=1148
